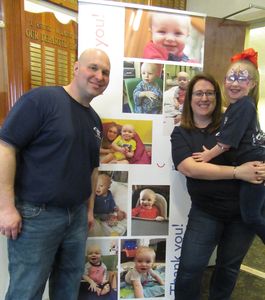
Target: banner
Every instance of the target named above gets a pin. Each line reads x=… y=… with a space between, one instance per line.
x=142 y=204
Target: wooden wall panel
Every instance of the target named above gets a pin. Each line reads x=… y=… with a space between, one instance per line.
x=223 y=38
x=70 y=4
x=51 y=49
x=3 y=69
x=176 y=4
x=13 y=16
x=36 y=49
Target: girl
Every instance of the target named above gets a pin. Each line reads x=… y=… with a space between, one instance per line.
x=240 y=133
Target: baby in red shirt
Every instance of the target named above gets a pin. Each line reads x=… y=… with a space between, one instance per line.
x=147 y=209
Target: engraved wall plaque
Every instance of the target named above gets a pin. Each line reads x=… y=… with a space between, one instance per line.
x=52 y=49
x=35 y=64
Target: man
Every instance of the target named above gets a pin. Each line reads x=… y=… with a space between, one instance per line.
x=49 y=157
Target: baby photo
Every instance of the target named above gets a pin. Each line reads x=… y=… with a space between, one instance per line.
x=143 y=93
x=150 y=210
x=110 y=208
x=164 y=36
x=126 y=142
x=142 y=268
x=177 y=79
x=99 y=280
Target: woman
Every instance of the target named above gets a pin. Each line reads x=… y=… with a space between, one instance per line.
x=214 y=217
x=111 y=131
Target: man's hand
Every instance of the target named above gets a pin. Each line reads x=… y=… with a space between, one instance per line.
x=10 y=222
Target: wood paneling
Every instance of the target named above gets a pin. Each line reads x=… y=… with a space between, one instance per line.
x=51 y=49
x=223 y=38
x=70 y=4
x=13 y=16
x=176 y=4
x=36 y=49
x=3 y=69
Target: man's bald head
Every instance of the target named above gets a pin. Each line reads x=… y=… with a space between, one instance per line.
x=93 y=52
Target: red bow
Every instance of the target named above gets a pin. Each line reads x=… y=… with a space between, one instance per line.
x=248 y=54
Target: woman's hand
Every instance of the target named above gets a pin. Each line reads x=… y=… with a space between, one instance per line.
x=253 y=172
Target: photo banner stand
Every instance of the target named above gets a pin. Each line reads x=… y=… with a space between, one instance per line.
x=102 y=25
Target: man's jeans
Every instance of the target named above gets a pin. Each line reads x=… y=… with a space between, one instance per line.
x=51 y=245
x=202 y=235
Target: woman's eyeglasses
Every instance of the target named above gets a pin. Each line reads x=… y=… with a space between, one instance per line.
x=200 y=94
x=241 y=79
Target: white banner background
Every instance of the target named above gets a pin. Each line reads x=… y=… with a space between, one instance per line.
x=101 y=25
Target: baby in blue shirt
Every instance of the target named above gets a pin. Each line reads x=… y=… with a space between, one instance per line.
x=104 y=202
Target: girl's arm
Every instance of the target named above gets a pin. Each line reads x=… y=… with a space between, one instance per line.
x=209 y=154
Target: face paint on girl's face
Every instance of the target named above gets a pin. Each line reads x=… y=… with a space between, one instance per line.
x=238 y=83
x=241 y=76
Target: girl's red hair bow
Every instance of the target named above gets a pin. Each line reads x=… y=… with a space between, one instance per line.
x=248 y=54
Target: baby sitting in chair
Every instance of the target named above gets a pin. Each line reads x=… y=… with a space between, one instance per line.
x=147 y=209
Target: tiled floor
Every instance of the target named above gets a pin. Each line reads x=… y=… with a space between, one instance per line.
x=256 y=256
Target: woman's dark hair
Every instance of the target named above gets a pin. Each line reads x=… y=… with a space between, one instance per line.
x=187 y=120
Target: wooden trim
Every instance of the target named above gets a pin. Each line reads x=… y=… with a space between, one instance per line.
x=69 y=4
x=3 y=69
x=223 y=38
x=15 y=43
x=176 y=4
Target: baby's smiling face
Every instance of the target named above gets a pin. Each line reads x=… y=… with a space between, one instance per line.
x=103 y=185
x=170 y=32
x=147 y=199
